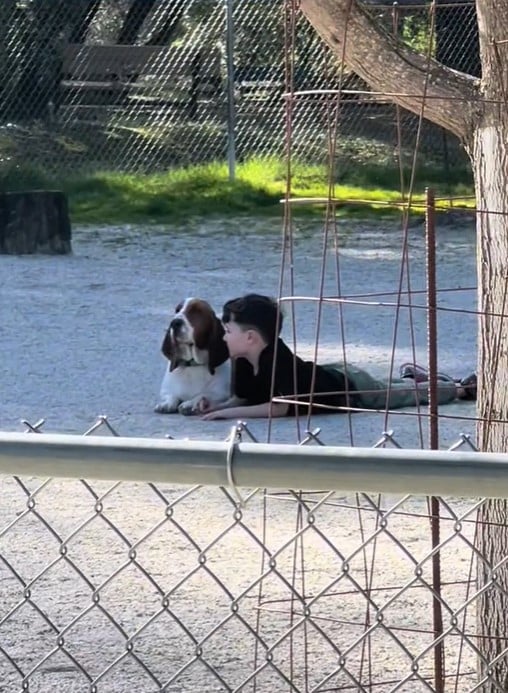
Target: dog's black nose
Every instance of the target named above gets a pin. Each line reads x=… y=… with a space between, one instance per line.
x=176 y=323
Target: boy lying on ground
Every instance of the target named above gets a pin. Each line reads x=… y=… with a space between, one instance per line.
x=252 y=324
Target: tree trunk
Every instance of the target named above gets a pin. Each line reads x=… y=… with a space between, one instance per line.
x=164 y=32
x=32 y=74
x=490 y=159
x=85 y=13
x=138 y=12
x=34 y=222
x=479 y=116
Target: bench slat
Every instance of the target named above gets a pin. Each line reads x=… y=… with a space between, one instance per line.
x=112 y=74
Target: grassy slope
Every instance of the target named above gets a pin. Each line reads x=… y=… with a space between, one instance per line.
x=206 y=190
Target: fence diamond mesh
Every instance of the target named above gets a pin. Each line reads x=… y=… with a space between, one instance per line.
x=145 y=587
x=146 y=85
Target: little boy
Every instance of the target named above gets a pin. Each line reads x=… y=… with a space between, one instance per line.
x=260 y=357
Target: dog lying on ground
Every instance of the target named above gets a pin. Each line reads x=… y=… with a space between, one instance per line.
x=199 y=367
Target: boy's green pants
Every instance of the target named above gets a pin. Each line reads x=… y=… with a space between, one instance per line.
x=394 y=393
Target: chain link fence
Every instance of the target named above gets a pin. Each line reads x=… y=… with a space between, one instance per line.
x=140 y=86
x=122 y=586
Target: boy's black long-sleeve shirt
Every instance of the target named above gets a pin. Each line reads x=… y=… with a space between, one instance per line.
x=329 y=385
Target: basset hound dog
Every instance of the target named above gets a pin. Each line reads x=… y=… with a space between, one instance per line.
x=199 y=366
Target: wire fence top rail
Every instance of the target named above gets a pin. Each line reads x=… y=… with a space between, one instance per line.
x=238 y=464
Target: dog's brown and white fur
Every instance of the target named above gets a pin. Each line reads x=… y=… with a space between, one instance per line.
x=199 y=368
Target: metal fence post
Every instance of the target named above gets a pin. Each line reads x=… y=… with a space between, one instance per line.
x=230 y=67
x=430 y=242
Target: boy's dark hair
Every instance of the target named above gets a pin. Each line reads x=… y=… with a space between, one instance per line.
x=261 y=313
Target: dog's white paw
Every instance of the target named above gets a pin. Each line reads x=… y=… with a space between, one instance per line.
x=166 y=407
x=187 y=408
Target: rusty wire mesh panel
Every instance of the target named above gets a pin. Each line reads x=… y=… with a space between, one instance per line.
x=145 y=587
x=142 y=86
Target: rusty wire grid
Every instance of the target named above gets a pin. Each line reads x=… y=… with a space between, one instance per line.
x=446 y=669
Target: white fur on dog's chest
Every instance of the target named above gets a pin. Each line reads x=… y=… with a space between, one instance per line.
x=188 y=381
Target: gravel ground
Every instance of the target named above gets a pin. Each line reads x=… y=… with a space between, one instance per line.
x=81 y=334
x=152 y=588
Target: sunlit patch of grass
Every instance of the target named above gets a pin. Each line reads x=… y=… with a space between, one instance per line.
x=206 y=190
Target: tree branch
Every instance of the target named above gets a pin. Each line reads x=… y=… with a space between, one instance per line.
x=387 y=65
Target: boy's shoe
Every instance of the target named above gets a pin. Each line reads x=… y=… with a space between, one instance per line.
x=469 y=384
x=420 y=374
x=414 y=371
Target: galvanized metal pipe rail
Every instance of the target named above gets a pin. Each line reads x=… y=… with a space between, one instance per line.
x=422 y=472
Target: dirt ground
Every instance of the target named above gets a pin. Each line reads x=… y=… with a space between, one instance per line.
x=81 y=334
x=134 y=587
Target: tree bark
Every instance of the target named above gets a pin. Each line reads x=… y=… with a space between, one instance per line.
x=34 y=222
x=453 y=101
x=85 y=13
x=165 y=30
x=490 y=163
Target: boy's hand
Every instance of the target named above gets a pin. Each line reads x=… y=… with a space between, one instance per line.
x=202 y=406
x=218 y=414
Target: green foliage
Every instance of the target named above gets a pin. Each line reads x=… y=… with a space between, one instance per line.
x=416 y=32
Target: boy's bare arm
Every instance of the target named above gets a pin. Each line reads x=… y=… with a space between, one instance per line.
x=253 y=411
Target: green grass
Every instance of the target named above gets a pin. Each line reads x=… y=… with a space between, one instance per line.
x=205 y=191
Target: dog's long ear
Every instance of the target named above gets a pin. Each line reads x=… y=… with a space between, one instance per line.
x=169 y=350
x=217 y=348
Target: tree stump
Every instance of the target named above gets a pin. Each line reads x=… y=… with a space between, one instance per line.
x=34 y=222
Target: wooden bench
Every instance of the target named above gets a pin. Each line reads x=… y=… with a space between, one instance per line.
x=108 y=75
